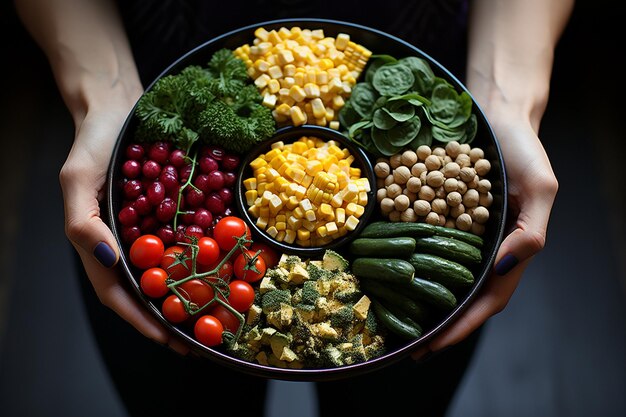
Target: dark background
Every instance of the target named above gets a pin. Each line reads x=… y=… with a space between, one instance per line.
x=558 y=349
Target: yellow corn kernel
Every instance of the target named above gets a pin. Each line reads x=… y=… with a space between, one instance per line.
x=355 y=172
x=351 y=223
x=299 y=79
x=298 y=213
x=303 y=234
x=337 y=200
x=250 y=183
x=292 y=202
x=297 y=93
x=326 y=212
x=340 y=216
x=251 y=195
x=321 y=77
x=266 y=197
x=297 y=117
x=321 y=231
x=310 y=215
x=271 y=174
x=331 y=228
x=306 y=181
x=342 y=41
x=294 y=223
x=261 y=33
x=274 y=72
x=272 y=231
x=334 y=125
x=269 y=155
x=257 y=163
x=254 y=210
x=362 y=199
x=261 y=222
x=313 y=167
x=269 y=100
x=309 y=225
x=311 y=90
x=262 y=80
x=317 y=106
x=281 y=226
x=290 y=236
x=306 y=205
x=289 y=70
x=280 y=236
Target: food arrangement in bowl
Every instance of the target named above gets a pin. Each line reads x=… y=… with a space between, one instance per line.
x=306 y=199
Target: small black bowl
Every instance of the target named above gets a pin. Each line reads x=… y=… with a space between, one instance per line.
x=288 y=135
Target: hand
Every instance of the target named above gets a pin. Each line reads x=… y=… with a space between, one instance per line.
x=532 y=189
x=83 y=178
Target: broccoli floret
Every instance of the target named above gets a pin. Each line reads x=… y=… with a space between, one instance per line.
x=272 y=299
x=342 y=317
x=371 y=322
x=348 y=297
x=315 y=272
x=309 y=293
x=376 y=348
x=244 y=352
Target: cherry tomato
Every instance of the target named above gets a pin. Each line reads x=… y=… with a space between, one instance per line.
x=208 y=330
x=225 y=272
x=197 y=291
x=146 y=252
x=269 y=254
x=245 y=265
x=226 y=231
x=226 y=317
x=208 y=251
x=152 y=282
x=176 y=260
x=241 y=295
x=174 y=310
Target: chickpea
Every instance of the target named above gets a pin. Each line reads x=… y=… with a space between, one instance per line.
x=482 y=166
x=395 y=161
x=447 y=160
x=461 y=187
x=450 y=223
x=435 y=179
x=382 y=169
x=418 y=168
x=453 y=148
x=423 y=177
x=426 y=193
x=394 y=216
x=408 y=215
x=401 y=202
x=432 y=162
x=412 y=196
x=486 y=199
x=475 y=154
x=484 y=185
x=409 y=158
x=454 y=198
x=465 y=148
x=380 y=194
x=474 y=182
x=451 y=184
x=457 y=210
x=463 y=160
x=480 y=215
x=389 y=180
x=423 y=152
x=441 y=192
x=421 y=207
x=386 y=205
x=471 y=198
x=451 y=169
x=442 y=220
x=394 y=190
x=467 y=174
x=413 y=184
x=432 y=218
x=478 y=229
x=464 y=222
x=401 y=174
x=439 y=206
x=439 y=151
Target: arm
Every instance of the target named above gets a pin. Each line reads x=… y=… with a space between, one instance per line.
x=511 y=49
x=92 y=63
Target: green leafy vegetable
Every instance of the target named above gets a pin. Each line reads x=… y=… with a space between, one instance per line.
x=402 y=103
x=216 y=104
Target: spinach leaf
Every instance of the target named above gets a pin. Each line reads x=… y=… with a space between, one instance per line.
x=382 y=143
x=383 y=120
x=404 y=133
x=363 y=98
x=393 y=79
x=400 y=110
x=424 y=76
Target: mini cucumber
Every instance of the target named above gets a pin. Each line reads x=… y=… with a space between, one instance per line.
x=430 y=292
x=448 y=248
x=403 y=328
x=448 y=273
x=397 y=247
x=385 y=229
x=383 y=269
x=396 y=297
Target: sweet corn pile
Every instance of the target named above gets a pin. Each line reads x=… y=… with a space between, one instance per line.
x=306 y=192
x=303 y=75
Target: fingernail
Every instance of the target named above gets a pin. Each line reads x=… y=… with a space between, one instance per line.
x=506 y=264
x=104 y=254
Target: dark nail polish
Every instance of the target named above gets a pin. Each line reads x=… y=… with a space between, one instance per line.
x=104 y=254
x=506 y=264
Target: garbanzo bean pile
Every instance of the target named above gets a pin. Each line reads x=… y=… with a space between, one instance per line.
x=443 y=186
